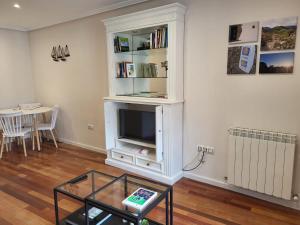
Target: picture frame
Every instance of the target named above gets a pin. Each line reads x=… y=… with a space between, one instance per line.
x=277 y=63
x=243 y=33
x=130 y=69
x=279 y=34
x=242 y=60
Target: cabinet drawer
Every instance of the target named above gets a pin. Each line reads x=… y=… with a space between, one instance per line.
x=122 y=157
x=149 y=164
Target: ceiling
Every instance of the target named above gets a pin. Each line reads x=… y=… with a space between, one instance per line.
x=35 y=14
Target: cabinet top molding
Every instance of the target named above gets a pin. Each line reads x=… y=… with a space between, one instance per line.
x=159 y=15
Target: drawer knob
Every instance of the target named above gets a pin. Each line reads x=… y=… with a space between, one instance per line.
x=122 y=156
x=148 y=164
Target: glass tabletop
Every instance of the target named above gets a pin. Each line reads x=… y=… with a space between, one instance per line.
x=114 y=194
x=85 y=184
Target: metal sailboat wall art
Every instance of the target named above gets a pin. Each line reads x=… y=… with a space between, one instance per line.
x=67 y=52
x=54 y=54
x=60 y=53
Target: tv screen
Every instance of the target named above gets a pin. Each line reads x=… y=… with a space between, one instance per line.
x=136 y=124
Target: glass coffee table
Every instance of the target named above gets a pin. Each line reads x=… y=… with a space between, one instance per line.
x=101 y=196
x=74 y=192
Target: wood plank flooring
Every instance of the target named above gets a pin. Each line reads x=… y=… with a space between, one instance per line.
x=26 y=192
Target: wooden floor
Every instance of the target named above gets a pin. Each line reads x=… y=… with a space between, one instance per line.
x=26 y=195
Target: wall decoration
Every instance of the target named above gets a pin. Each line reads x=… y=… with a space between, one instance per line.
x=242 y=59
x=281 y=63
x=279 y=34
x=60 y=53
x=130 y=67
x=243 y=33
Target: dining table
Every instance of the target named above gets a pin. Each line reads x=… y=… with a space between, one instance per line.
x=34 y=112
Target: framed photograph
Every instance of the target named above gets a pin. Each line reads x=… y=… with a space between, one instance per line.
x=243 y=33
x=279 y=34
x=242 y=59
x=130 y=69
x=277 y=63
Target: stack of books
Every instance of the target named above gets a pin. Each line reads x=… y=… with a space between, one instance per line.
x=140 y=199
x=121 y=44
x=149 y=69
x=159 y=38
x=122 y=71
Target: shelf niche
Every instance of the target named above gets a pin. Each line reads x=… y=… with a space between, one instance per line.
x=147 y=51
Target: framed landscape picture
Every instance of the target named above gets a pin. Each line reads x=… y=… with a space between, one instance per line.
x=277 y=63
x=242 y=60
x=279 y=34
x=243 y=33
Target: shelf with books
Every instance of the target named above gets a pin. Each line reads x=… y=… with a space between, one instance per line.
x=141 y=39
x=141 y=54
x=144 y=52
x=154 y=68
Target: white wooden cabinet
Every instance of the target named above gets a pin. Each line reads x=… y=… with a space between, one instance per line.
x=156 y=87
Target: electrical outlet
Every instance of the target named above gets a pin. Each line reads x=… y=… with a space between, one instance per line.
x=211 y=150
x=91 y=126
x=207 y=149
x=199 y=148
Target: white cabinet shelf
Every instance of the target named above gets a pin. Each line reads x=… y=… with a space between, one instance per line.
x=137 y=142
x=145 y=52
x=159 y=89
x=166 y=62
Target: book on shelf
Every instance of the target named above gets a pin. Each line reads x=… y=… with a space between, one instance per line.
x=159 y=38
x=122 y=71
x=140 y=199
x=149 y=69
x=121 y=44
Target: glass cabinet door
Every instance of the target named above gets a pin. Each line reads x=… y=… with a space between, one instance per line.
x=141 y=64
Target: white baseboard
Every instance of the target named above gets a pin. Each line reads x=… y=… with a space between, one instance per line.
x=81 y=145
x=144 y=172
x=174 y=179
x=222 y=184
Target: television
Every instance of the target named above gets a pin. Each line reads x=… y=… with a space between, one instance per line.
x=135 y=124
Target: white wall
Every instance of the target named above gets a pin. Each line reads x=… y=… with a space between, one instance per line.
x=16 y=84
x=214 y=101
x=79 y=84
x=76 y=85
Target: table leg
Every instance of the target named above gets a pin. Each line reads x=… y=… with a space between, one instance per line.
x=44 y=121
x=171 y=206
x=167 y=208
x=36 y=133
x=56 y=208
x=32 y=136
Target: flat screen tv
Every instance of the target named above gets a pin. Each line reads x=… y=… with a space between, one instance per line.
x=134 y=124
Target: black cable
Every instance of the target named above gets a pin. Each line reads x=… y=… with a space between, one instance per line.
x=199 y=163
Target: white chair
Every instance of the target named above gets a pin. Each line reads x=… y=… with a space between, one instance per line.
x=1 y=138
x=51 y=125
x=12 y=128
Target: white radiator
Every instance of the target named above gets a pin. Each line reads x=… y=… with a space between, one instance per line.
x=261 y=161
